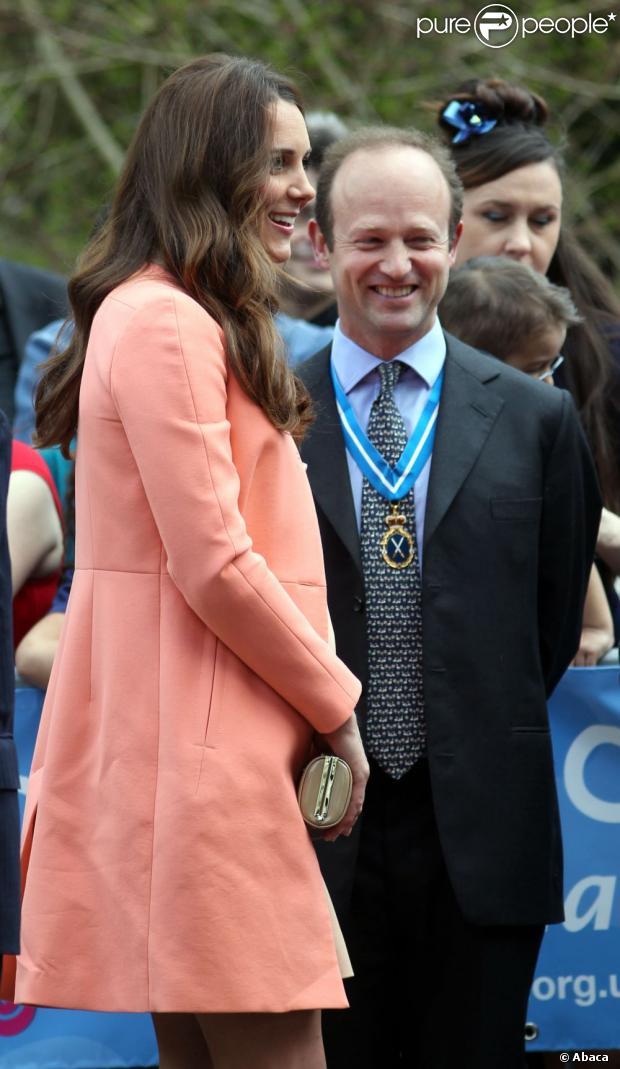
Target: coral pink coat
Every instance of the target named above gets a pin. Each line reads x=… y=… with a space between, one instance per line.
x=170 y=869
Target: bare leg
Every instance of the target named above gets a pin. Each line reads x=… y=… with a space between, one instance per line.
x=264 y=1040
x=181 y=1042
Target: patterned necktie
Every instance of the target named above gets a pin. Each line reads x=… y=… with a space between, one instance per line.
x=396 y=732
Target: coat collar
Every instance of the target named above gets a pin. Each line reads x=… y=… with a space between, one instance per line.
x=467 y=413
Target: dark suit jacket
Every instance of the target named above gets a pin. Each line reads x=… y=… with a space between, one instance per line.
x=29 y=299
x=9 y=778
x=511 y=521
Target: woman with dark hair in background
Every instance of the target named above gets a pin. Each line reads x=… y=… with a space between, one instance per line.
x=169 y=866
x=512 y=176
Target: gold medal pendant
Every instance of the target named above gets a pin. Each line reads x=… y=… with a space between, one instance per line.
x=397 y=544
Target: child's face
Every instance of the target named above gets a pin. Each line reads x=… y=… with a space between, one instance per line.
x=536 y=356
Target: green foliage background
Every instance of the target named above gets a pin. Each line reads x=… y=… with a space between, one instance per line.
x=75 y=75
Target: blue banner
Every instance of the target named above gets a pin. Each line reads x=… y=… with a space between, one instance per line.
x=65 y=1039
x=575 y=1000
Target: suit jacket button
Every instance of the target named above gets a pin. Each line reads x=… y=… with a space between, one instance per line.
x=358 y=604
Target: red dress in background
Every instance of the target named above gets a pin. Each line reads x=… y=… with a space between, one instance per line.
x=36 y=595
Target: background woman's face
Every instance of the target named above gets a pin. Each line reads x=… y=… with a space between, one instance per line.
x=517 y=215
x=287 y=191
x=303 y=265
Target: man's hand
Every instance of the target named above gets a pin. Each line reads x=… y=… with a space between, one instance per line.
x=597 y=633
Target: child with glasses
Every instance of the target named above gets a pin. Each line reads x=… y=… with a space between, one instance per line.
x=511 y=311
x=517 y=315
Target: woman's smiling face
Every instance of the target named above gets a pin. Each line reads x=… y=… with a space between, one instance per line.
x=517 y=215
x=287 y=191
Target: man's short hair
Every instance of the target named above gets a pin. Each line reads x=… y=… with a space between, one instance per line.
x=375 y=138
x=498 y=304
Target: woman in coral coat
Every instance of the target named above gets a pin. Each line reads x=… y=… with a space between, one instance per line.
x=168 y=866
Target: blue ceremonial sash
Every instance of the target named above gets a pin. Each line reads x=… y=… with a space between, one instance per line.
x=393 y=483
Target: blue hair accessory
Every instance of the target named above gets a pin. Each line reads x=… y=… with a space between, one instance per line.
x=468 y=119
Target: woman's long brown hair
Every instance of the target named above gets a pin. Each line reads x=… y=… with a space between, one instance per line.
x=189 y=198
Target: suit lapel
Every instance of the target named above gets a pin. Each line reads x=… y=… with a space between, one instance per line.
x=467 y=413
x=325 y=454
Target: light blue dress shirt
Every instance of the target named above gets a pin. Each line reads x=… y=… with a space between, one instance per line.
x=357 y=371
x=38 y=348
x=302 y=339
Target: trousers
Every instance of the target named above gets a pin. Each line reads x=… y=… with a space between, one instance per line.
x=431 y=990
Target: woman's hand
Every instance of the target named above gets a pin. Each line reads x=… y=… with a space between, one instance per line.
x=608 y=542
x=346 y=742
x=595 y=643
x=597 y=633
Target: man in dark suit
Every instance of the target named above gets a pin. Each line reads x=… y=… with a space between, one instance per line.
x=29 y=299
x=9 y=776
x=458 y=509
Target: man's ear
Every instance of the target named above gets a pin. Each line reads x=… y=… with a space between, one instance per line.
x=455 y=241
x=319 y=244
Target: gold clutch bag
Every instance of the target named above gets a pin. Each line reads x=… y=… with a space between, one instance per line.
x=325 y=791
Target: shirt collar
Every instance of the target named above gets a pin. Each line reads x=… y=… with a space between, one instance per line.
x=352 y=363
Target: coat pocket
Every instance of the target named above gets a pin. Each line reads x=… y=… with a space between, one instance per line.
x=30 y=819
x=212 y=678
x=516 y=510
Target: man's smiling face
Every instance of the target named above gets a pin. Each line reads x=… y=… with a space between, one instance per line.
x=391 y=250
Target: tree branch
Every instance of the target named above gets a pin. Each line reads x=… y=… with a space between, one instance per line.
x=77 y=97
x=317 y=48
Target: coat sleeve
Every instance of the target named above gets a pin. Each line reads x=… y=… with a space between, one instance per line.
x=570 y=521
x=168 y=382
